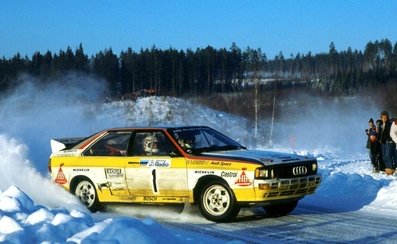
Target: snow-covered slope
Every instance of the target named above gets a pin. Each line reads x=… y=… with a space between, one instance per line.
x=33 y=209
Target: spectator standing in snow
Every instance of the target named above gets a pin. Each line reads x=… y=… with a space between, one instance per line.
x=380 y=162
x=388 y=145
x=393 y=135
x=373 y=145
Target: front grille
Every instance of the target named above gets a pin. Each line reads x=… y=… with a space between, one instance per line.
x=293 y=170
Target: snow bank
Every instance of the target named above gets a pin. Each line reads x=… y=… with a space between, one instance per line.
x=350 y=185
x=21 y=221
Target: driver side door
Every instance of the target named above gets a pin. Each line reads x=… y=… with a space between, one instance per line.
x=152 y=174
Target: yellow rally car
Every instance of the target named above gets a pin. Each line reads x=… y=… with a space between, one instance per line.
x=196 y=165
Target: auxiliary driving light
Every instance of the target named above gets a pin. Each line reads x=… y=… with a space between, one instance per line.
x=264 y=186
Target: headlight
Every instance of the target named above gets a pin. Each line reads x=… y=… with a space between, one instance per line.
x=314 y=167
x=261 y=173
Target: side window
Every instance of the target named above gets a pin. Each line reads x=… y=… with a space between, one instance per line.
x=213 y=140
x=151 y=144
x=113 y=144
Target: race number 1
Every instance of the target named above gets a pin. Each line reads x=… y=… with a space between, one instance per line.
x=154 y=181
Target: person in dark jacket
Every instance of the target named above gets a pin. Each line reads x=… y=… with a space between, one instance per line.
x=380 y=161
x=388 y=146
x=373 y=145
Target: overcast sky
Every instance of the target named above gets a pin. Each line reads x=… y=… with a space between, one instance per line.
x=290 y=26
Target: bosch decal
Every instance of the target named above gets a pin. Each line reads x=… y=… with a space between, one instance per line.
x=149 y=199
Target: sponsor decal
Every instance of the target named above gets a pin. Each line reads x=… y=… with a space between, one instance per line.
x=156 y=163
x=113 y=173
x=220 y=163
x=117 y=188
x=81 y=170
x=243 y=180
x=149 y=199
x=60 y=179
x=168 y=198
x=197 y=162
x=204 y=172
x=228 y=174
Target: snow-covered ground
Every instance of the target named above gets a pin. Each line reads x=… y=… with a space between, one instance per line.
x=33 y=209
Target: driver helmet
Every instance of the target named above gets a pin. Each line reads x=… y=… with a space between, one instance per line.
x=187 y=142
x=150 y=144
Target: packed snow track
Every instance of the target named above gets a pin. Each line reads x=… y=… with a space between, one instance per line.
x=305 y=225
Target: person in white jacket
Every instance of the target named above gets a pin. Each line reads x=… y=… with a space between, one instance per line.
x=393 y=135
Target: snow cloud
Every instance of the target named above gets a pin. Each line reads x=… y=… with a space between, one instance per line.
x=18 y=171
x=36 y=111
x=326 y=123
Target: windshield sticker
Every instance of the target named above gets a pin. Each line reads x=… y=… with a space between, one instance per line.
x=156 y=163
x=243 y=180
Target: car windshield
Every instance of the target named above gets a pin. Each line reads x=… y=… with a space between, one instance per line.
x=203 y=139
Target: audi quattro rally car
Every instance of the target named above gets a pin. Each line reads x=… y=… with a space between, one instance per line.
x=196 y=165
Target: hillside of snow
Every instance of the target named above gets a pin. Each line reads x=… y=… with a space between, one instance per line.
x=33 y=209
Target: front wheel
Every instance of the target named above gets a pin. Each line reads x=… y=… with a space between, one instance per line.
x=218 y=203
x=280 y=209
x=86 y=192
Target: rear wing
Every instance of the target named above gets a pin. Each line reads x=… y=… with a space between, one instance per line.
x=64 y=143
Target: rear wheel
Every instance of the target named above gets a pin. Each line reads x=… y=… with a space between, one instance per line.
x=280 y=209
x=218 y=203
x=86 y=192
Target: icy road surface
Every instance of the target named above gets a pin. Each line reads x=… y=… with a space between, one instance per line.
x=304 y=225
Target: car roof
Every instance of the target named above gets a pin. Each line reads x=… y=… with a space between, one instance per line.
x=152 y=128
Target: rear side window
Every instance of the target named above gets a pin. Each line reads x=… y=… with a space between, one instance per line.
x=113 y=144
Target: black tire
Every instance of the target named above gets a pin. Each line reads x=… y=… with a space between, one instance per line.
x=280 y=209
x=217 y=202
x=86 y=192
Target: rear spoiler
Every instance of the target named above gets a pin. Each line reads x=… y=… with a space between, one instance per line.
x=64 y=143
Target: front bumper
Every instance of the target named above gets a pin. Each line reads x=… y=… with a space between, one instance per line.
x=278 y=189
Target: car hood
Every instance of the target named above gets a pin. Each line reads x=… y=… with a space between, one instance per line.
x=258 y=156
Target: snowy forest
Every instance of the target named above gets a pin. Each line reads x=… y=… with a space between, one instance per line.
x=209 y=71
